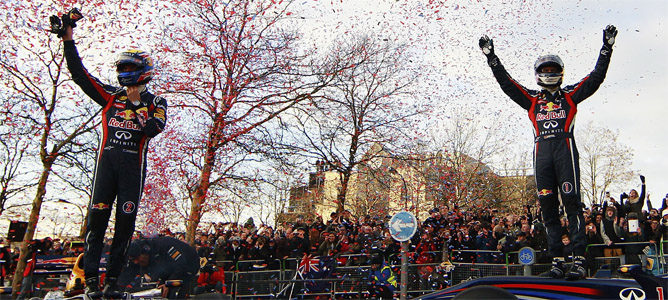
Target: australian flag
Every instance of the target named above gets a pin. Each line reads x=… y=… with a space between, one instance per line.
x=311 y=267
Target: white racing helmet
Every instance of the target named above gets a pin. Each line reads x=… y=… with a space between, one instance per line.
x=549 y=79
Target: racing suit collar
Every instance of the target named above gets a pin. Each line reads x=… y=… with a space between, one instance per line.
x=552 y=90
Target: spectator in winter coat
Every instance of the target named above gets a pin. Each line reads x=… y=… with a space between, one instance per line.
x=634 y=201
x=568 y=247
x=210 y=279
x=633 y=252
x=593 y=237
x=653 y=232
x=610 y=232
x=539 y=243
x=328 y=245
x=485 y=241
x=299 y=245
x=234 y=251
x=260 y=251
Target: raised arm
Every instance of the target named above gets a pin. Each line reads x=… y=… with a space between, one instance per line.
x=518 y=93
x=642 y=188
x=588 y=85
x=96 y=90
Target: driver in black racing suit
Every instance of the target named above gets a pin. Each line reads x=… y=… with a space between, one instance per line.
x=552 y=112
x=162 y=259
x=131 y=116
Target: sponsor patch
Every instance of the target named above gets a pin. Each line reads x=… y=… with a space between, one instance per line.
x=550 y=106
x=544 y=192
x=125 y=114
x=126 y=124
x=128 y=207
x=99 y=206
x=159 y=114
x=566 y=187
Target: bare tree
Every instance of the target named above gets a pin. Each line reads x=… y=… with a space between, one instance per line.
x=363 y=116
x=604 y=161
x=235 y=66
x=469 y=148
x=12 y=151
x=515 y=185
x=32 y=72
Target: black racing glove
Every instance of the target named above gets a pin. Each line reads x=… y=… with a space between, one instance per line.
x=71 y=17
x=486 y=45
x=59 y=25
x=623 y=196
x=642 y=179
x=56 y=26
x=609 y=34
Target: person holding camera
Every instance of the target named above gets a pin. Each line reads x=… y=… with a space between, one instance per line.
x=552 y=112
x=634 y=202
x=131 y=116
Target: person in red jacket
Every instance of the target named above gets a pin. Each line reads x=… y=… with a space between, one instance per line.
x=211 y=279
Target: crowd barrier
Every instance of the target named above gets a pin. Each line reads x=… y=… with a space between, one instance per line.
x=350 y=277
x=278 y=278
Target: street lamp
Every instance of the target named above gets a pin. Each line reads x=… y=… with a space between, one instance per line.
x=404 y=188
x=83 y=216
x=404 y=245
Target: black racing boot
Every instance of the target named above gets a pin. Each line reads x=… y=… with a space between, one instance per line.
x=557 y=271
x=92 y=289
x=111 y=290
x=577 y=270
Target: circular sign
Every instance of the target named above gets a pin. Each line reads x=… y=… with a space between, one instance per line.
x=527 y=256
x=403 y=226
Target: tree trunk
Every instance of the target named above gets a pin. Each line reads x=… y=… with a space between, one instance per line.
x=198 y=199
x=341 y=197
x=30 y=230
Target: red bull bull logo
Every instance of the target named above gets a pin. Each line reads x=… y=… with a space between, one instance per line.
x=100 y=206
x=544 y=192
x=551 y=106
x=125 y=114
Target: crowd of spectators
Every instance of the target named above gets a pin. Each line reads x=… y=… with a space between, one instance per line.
x=449 y=233
x=453 y=234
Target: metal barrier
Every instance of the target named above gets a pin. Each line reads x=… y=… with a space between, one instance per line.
x=258 y=265
x=354 y=259
x=615 y=261
x=469 y=271
x=488 y=256
x=350 y=280
x=257 y=283
x=356 y=276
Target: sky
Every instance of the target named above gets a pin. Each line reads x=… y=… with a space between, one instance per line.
x=442 y=40
x=444 y=35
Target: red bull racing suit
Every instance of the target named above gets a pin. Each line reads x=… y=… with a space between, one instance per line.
x=556 y=163
x=121 y=162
